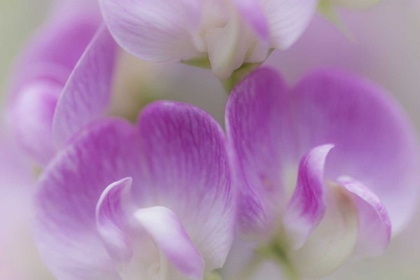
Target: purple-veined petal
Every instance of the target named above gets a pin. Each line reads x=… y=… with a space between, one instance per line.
x=252 y=13
x=111 y=220
x=86 y=95
x=189 y=173
x=307 y=205
x=170 y=237
x=288 y=19
x=68 y=191
x=255 y=116
x=156 y=30
x=333 y=241
x=374 y=224
x=373 y=138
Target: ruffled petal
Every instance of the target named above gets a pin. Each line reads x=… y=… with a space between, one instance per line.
x=374 y=224
x=333 y=241
x=374 y=140
x=86 y=95
x=288 y=19
x=189 y=174
x=257 y=120
x=68 y=191
x=112 y=221
x=170 y=237
x=307 y=205
x=155 y=30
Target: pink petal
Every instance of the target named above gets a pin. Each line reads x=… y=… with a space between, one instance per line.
x=288 y=19
x=172 y=239
x=374 y=140
x=256 y=122
x=374 y=223
x=189 y=174
x=156 y=30
x=307 y=205
x=333 y=240
x=252 y=13
x=111 y=220
x=86 y=95
x=68 y=192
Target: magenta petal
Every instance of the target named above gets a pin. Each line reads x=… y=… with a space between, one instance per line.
x=257 y=120
x=307 y=205
x=189 y=174
x=111 y=220
x=170 y=237
x=86 y=95
x=375 y=230
x=68 y=192
x=374 y=140
x=253 y=13
x=155 y=30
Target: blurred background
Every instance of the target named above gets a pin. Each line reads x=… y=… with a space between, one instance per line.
x=385 y=49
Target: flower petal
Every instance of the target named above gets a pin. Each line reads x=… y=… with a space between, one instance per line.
x=189 y=174
x=252 y=12
x=374 y=223
x=374 y=140
x=155 y=30
x=68 y=191
x=288 y=19
x=257 y=121
x=171 y=238
x=307 y=205
x=332 y=242
x=111 y=220
x=32 y=118
x=86 y=95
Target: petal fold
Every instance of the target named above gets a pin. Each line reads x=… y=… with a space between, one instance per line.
x=374 y=223
x=333 y=241
x=307 y=205
x=111 y=220
x=68 y=191
x=170 y=237
x=86 y=95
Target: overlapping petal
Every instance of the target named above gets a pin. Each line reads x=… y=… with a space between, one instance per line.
x=69 y=191
x=86 y=95
x=271 y=128
x=177 y=160
x=374 y=141
x=154 y=30
x=306 y=207
x=184 y=150
x=40 y=74
x=374 y=224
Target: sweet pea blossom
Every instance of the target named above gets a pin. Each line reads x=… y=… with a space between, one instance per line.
x=68 y=54
x=328 y=170
x=146 y=201
x=228 y=32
